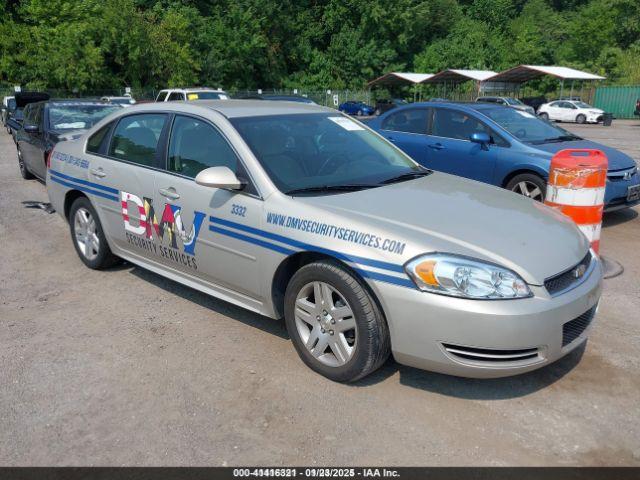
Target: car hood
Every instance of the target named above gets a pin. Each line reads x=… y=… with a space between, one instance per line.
x=444 y=213
x=617 y=159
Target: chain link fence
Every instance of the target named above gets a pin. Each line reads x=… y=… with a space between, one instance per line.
x=328 y=97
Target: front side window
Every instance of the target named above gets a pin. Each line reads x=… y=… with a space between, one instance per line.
x=195 y=145
x=71 y=116
x=319 y=150
x=161 y=97
x=135 y=139
x=409 y=121
x=449 y=123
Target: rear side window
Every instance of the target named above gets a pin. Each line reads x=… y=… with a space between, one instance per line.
x=135 y=139
x=409 y=121
x=95 y=141
x=175 y=96
x=196 y=145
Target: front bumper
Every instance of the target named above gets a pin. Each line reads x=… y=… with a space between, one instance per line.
x=594 y=117
x=615 y=197
x=437 y=332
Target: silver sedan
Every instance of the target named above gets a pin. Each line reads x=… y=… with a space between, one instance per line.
x=296 y=211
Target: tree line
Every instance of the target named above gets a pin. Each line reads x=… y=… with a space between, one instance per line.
x=313 y=44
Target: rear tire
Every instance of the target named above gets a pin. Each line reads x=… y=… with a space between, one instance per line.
x=343 y=334
x=88 y=236
x=24 y=171
x=581 y=119
x=529 y=185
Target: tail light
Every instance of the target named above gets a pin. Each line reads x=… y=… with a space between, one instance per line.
x=49 y=158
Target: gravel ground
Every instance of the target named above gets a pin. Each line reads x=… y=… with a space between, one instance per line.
x=123 y=367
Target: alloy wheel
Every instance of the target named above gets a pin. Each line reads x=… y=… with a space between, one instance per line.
x=326 y=323
x=86 y=233
x=528 y=189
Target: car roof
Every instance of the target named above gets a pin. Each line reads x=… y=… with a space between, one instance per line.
x=235 y=108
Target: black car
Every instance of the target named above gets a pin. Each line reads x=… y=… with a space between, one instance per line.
x=47 y=123
x=386 y=104
x=637 y=112
x=535 y=102
x=15 y=113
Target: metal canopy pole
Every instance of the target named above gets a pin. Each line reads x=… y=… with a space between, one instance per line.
x=571 y=94
x=561 y=88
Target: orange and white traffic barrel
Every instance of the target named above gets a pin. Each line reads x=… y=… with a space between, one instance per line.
x=577 y=180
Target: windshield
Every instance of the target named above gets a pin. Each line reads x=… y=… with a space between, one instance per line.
x=582 y=105
x=207 y=96
x=527 y=127
x=513 y=101
x=72 y=116
x=317 y=150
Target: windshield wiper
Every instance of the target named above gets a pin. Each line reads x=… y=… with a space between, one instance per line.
x=348 y=187
x=407 y=176
x=561 y=138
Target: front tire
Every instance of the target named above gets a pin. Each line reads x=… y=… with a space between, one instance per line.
x=24 y=171
x=581 y=119
x=544 y=116
x=335 y=325
x=88 y=236
x=529 y=185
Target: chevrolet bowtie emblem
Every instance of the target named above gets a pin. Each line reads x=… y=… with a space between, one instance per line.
x=579 y=271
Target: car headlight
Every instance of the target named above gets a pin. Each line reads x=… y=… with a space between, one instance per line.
x=465 y=277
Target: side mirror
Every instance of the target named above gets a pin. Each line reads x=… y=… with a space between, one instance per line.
x=480 y=137
x=219 y=177
x=29 y=128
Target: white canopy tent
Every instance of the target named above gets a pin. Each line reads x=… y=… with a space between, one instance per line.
x=459 y=76
x=455 y=77
x=400 y=78
x=397 y=78
x=524 y=73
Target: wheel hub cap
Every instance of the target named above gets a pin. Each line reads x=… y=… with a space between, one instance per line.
x=325 y=323
x=86 y=233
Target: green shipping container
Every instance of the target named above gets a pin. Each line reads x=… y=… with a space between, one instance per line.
x=621 y=101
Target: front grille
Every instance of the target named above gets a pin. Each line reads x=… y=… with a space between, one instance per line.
x=490 y=355
x=574 y=328
x=565 y=280
x=619 y=175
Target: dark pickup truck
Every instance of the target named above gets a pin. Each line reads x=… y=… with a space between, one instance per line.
x=47 y=123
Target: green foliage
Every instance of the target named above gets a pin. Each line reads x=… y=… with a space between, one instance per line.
x=315 y=44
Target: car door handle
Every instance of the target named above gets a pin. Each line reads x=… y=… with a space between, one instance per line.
x=97 y=172
x=436 y=146
x=391 y=139
x=169 y=193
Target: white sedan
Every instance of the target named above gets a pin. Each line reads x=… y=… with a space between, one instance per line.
x=570 y=111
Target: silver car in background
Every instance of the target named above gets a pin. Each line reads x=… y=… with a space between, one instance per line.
x=296 y=211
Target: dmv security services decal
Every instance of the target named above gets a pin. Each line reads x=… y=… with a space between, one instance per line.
x=168 y=230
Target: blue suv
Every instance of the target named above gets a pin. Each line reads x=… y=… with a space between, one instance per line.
x=499 y=145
